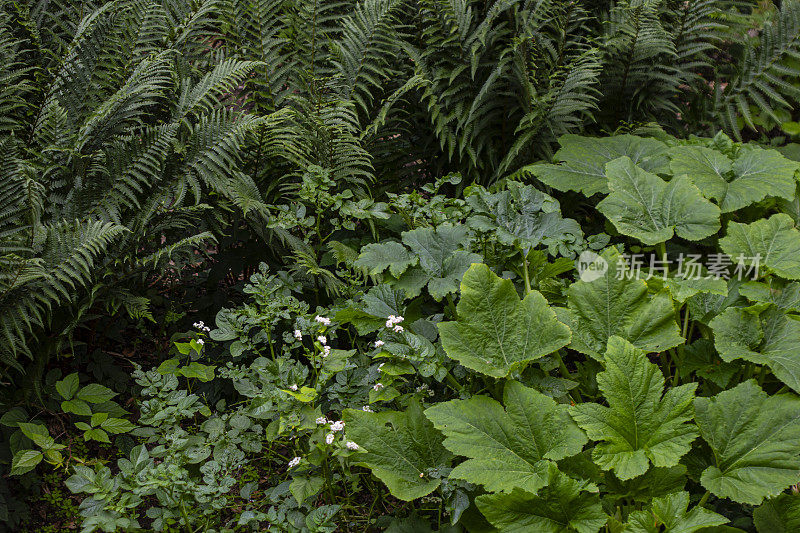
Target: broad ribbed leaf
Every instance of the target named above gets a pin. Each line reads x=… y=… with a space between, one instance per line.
x=614 y=305
x=584 y=161
x=644 y=206
x=521 y=215
x=401 y=448
x=639 y=426
x=785 y=296
x=670 y=514
x=755 y=174
x=441 y=261
x=774 y=241
x=764 y=336
x=755 y=439
x=778 y=515
x=377 y=257
x=511 y=448
x=496 y=332
x=562 y=506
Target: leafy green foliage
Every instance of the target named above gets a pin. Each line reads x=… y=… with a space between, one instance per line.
x=754 y=440
x=499 y=332
x=511 y=448
x=642 y=424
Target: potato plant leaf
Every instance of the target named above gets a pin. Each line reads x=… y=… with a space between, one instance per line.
x=771 y=242
x=561 y=506
x=642 y=424
x=511 y=448
x=496 y=332
x=614 y=305
x=401 y=448
x=755 y=439
x=644 y=206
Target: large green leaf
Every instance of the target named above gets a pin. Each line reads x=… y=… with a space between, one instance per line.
x=401 y=448
x=507 y=449
x=377 y=257
x=755 y=439
x=441 y=261
x=496 y=332
x=584 y=161
x=778 y=515
x=784 y=295
x=560 y=507
x=614 y=305
x=670 y=514
x=521 y=215
x=639 y=426
x=764 y=336
x=756 y=174
x=644 y=206
x=773 y=241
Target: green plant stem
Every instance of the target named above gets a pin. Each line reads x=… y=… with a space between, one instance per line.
x=704 y=499
x=525 y=272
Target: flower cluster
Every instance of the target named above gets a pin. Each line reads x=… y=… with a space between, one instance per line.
x=377 y=387
x=298 y=334
x=294 y=462
x=323 y=320
x=379 y=343
x=393 y=322
x=351 y=445
x=337 y=426
x=201 y=326
x=293 y=387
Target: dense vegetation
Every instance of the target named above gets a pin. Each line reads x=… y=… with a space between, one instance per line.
x=400 y=265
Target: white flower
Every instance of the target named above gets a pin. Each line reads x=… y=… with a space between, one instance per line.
x=298 y=334
x=326 y=351
x=377 y=387
x=206 y=329
x=199 y=325
x=323 y=320
x=381 y=366
x=337 y=426
x=322 y=339
x=351 y=445
x=322 y=420
x=293 y=387
x=378 y=344
x=329 y=438
x=367 y=409
x=201 y=342
x=392 y=320
x=294 y=462
x=398 y=329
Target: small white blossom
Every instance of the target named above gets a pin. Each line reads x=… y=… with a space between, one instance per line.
x=329 y=438
x=326 y=351
x=367 y=409
x=201 y=342
x=381 y=366
x=378 y=344
x=377 y=387
x=337 y=426
x=293 y=387
x=294 y=462
x=398 y=329
x=351 y=445
x=323 y=320
x=298 y=334
x=322 y=339
x=392 y=320
x=322 y=420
